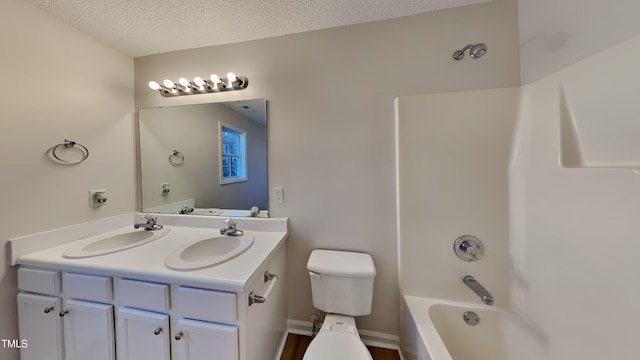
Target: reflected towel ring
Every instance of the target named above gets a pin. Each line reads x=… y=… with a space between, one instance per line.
x=176 y=158
x=68 y=144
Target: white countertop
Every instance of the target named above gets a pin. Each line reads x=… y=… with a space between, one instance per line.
x=147 y=262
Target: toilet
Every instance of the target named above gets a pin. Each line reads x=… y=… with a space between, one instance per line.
x=342 y=286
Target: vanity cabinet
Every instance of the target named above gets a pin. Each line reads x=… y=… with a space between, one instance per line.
x=199 y=322
x=95 y=316
x=143 y=335
x=88 y=330
x=148 y=335
x=196 y=340
x=76 y=329
x=41 y=326
x=85 y=331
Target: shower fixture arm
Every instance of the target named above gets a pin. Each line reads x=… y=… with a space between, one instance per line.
x=475 y=51
x=459 y=54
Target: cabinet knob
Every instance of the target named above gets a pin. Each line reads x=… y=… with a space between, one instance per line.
x=179 y=335
x=157 y=331
x=48 y=310
x=63 y=313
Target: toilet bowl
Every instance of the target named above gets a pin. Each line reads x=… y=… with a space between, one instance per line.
x=342 y=286
x=337 y=339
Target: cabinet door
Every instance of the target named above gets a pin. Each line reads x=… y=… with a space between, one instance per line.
x=200 y=340
x=88 y=331
x=41 y=326
x=142 y=335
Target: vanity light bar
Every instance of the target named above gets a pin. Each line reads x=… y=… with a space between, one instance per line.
x=200 y=86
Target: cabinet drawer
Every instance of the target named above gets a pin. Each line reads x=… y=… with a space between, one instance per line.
x=87 y=287
x=39 y=281
x=143 y=295
x=205 y=304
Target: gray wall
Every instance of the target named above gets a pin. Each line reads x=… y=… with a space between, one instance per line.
x=59 y=84
x=555 y=34
x=331 y=123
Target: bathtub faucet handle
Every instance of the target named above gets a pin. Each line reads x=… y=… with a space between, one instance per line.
x=468 y=248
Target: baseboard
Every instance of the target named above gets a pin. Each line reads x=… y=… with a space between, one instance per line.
x=371 y=338
x=282 y=343
x=299 y=327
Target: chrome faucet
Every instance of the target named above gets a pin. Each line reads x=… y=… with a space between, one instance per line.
x=150 y=224
x=186 y=209
x=474 y=285
x=231 y=229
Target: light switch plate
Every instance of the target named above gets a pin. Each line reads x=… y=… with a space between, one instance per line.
x=278 y=195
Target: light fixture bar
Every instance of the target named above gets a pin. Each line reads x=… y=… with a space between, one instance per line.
x=214 y=84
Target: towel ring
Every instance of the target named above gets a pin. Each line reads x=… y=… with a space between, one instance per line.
x=176 y=158
x=68 y=144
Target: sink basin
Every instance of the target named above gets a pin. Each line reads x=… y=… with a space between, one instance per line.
x=206 y=211
x=209 y=251
x=114 y=241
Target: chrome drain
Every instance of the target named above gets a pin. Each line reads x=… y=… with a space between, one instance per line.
x=471 y=318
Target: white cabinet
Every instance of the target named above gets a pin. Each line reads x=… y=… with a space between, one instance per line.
x=42 y=327
x=57 y=329
x=143 y=295
x=78 y=330
x=268 y=320
x=146 y=335
x=143 y=335
x=147 y=325
x=198 y=340
x=75 y=316
x=88 y=331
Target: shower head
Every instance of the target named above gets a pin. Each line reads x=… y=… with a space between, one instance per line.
x=475 y=51
x=478 y=50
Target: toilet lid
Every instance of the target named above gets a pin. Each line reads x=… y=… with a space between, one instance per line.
x=336 y=346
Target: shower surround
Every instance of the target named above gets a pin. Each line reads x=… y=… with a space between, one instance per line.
x=568 y=264
x=575 y=205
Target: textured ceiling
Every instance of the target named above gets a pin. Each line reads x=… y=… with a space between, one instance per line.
x=145 y=27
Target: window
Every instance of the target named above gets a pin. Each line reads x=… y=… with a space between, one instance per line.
x=233 y=154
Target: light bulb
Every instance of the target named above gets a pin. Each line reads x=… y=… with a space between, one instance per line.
x=198 y=81
x=231 y=77
x=168 y=84
x=154 y=85
x=185 y=85
x=215 y=78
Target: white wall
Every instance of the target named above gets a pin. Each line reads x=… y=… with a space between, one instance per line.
x=453 y=154
x=331 y=122
x=58 y=84
x=555 y=34
x=575 y=202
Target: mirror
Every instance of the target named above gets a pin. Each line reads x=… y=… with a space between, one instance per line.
x=204 y=159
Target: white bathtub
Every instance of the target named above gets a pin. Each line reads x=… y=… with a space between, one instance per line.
x=435 y=330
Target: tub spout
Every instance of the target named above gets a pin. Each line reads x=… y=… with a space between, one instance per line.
x=474 y=285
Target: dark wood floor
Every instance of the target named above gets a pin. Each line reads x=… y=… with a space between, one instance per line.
x=296 y=345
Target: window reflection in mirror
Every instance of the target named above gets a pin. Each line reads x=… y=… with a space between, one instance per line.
x=224 y=167
x=233 y=154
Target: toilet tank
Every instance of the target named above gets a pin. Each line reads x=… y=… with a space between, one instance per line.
x=341 y=281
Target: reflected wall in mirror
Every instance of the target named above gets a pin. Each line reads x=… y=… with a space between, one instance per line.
x=186 y=168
